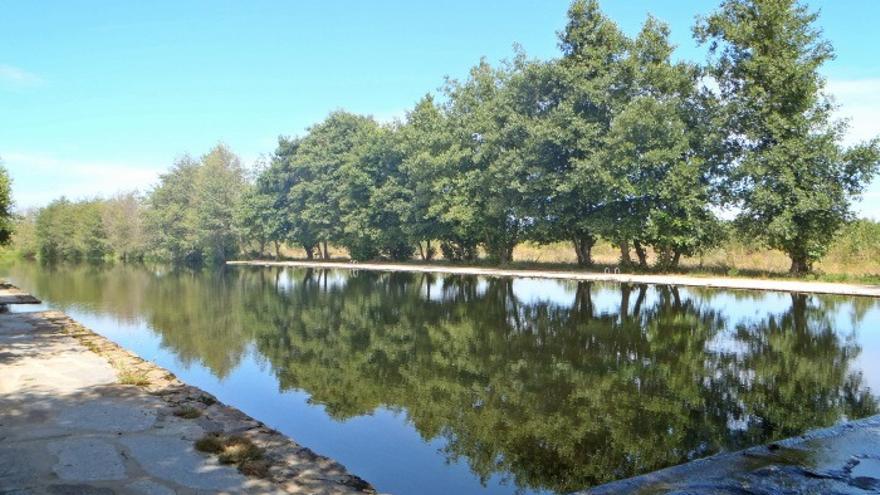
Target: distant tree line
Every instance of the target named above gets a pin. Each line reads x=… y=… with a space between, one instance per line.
x=613 y=140
x=189 y=217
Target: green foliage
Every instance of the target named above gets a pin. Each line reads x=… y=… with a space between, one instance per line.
x=170 y=216
x=24 y=238
x=123 y=222
x=218 y=185
x=68 y=230
x=790 y=175
x=7 y=219
x=193 y=213
x=659 y=153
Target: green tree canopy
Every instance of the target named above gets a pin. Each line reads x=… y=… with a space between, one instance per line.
x=791 y=177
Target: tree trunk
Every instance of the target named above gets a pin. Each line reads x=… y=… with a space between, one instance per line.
x=800 y=265
x=583 y=248
x=637 y=308
x=676 y=297
x=326 y=252
x=504 y=255
x=277 y=250
x=640 y=252
x=428 y=254
x=625 y=290
x=624 y=253
x=421 y=251
x=310 y=252
x=676 y=258
x=583 y=298
x=799 y=313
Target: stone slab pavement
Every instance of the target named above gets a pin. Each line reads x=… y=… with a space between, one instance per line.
x=68 y=427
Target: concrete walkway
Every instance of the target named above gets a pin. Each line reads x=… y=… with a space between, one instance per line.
x=68 y=426
x=686 y=280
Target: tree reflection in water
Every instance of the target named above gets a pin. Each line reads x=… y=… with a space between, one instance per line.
x=552 y=396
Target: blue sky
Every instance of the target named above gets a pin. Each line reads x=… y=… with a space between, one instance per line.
x=101 y=96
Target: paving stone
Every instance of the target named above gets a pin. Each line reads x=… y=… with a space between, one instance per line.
x=79 y=490
x=150 y=487
x=87 y=459
x=109 y=416
x=173 y=459
x=21 y=466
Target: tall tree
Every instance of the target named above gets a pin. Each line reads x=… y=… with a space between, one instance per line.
x=218 y=186
x=659 y=154
x=577 y=98
x=6 y=216
x=72 y=231
x=792 y=178
x=482 y=195
x=170 y=217
x=122 y=216
x=318 y=163
x=286 y=179
x=264 y=214
x=423 y=141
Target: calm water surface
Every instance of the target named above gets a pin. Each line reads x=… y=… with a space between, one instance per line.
x=427 y=384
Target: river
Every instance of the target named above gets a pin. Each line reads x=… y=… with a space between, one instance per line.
x=429 y=384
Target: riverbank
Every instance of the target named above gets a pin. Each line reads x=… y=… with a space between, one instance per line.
x=799 y=286
x=79 y=414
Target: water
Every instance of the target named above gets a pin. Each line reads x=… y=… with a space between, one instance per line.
x=427 y=384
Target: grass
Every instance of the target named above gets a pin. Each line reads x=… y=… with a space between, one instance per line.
x=188 y=412
x=210 y=444
x=235 y=450
x=854 y=257
x=128 y=376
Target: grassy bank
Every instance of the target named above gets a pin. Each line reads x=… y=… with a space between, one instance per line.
x=854 y=257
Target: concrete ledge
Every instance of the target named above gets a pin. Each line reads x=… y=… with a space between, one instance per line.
x=11 y=295
x=843 y=459
x=685 y=280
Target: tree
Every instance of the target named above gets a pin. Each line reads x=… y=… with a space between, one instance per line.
x=423 y=140
x=285 y=181
x=576 y=99
x=122 y=217
x=170 y=217
x=480 y=190
x=318 y=165
x=659 y=154
x=389 y=198
x=218 y=186
x=254 y=219
x=68 y=230
x=24 y=238
x=792 y=179
x=6 y=216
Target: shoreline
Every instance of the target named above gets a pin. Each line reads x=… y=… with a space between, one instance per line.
x=832 y=288
x=114 y=421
